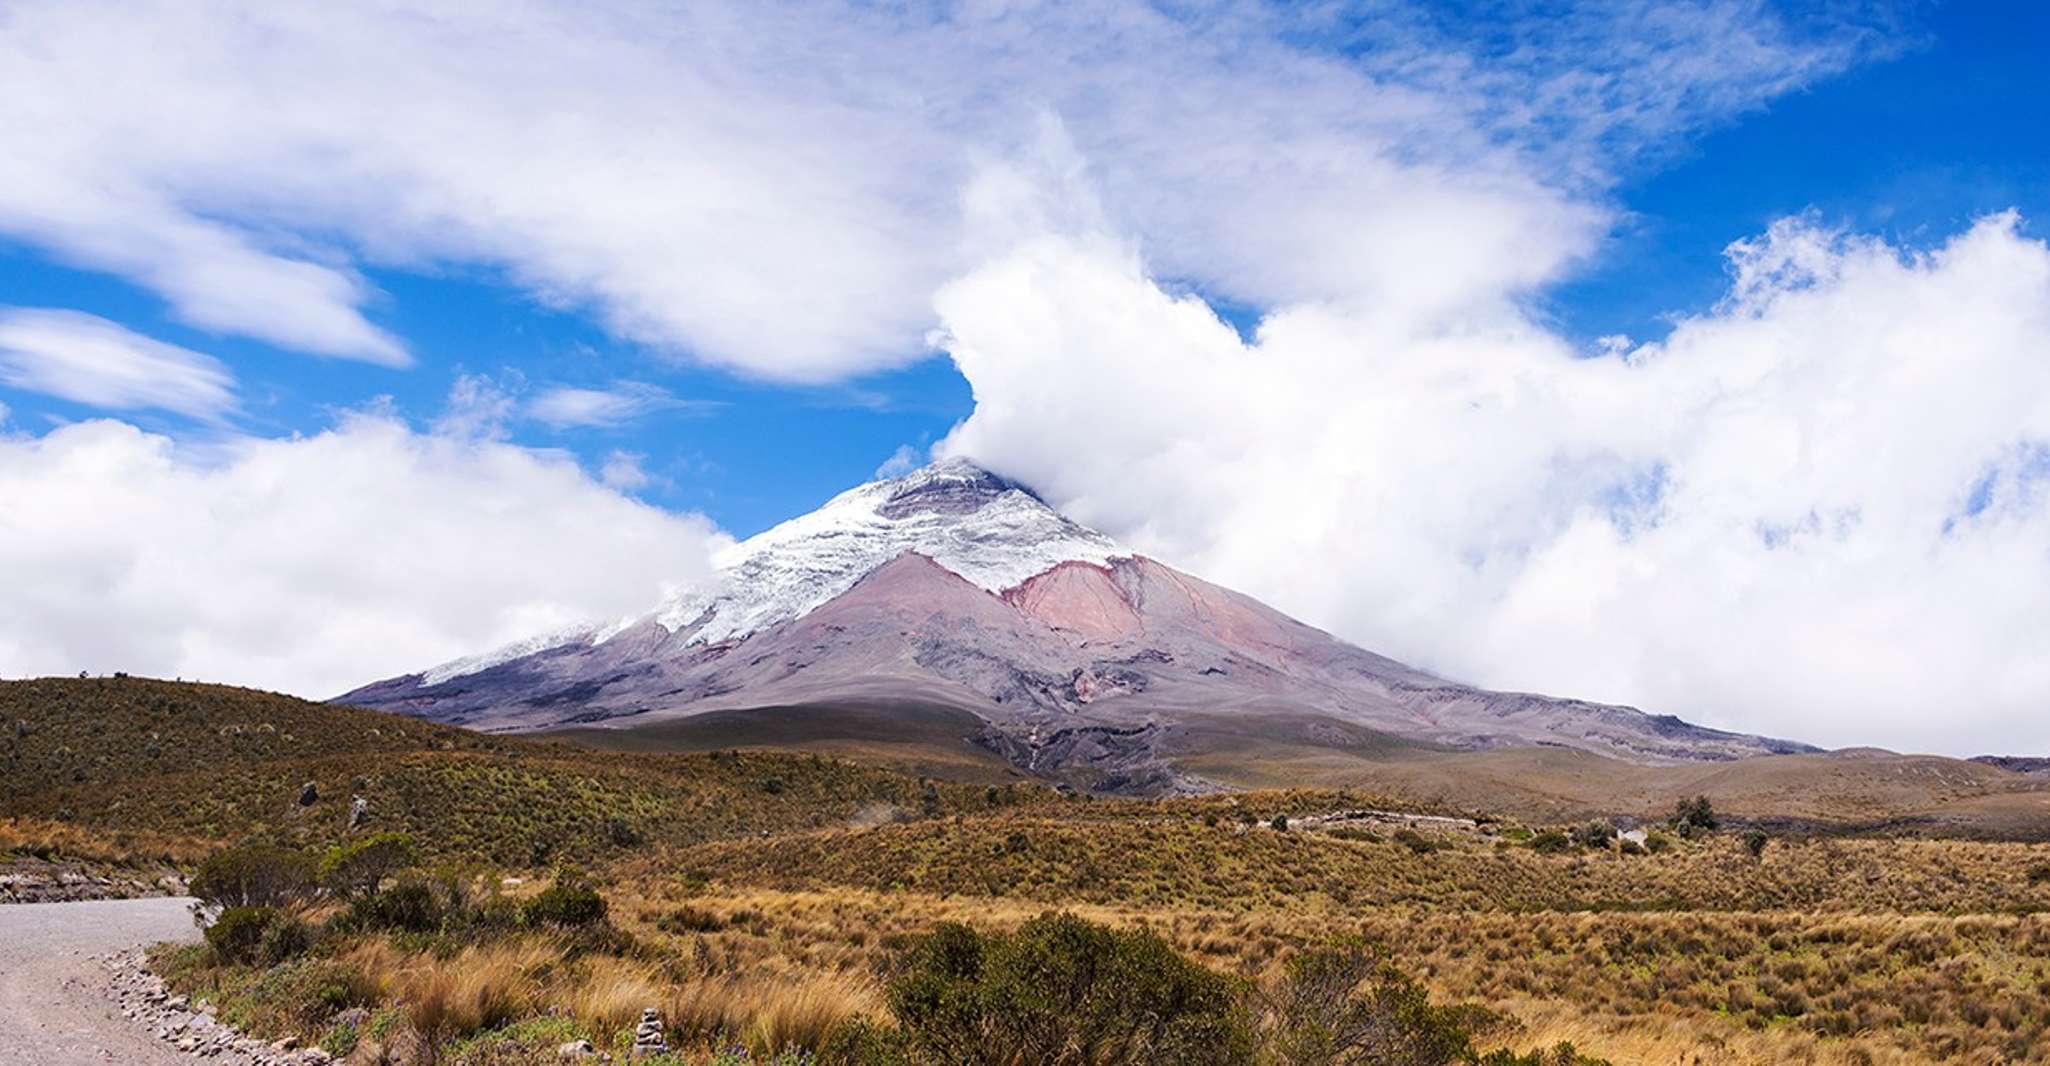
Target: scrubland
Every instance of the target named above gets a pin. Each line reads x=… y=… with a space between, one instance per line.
x=503 y=897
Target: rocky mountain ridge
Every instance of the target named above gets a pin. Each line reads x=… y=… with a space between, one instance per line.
x=954 y=587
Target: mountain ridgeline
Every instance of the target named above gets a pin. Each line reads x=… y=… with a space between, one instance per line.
x=957 y=604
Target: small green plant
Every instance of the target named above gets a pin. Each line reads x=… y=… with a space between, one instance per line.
x=361 y=866
x=257 y=936
x=1551 y=842
x=412 y=906
x=1755 y=840
x=1280 y=823
x=1344 y=1004
x=1415 y=841
x=253 y=875
x=1595 y=834
x=1692 y=815
x=570 y=902
x=1062 y=989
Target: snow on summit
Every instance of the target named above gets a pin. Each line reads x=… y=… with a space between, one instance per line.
x=990 y=530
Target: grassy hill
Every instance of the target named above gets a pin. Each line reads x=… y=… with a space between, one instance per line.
x=217 y=762
x=752 y=890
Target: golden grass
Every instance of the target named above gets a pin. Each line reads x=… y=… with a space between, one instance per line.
x=56 y=841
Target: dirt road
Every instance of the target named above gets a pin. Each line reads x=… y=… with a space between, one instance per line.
x=54 y=1009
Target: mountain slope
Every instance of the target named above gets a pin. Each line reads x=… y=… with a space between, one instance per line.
x=954 y=588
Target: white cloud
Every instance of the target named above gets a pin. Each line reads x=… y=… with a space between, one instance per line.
x=479 y=408
x=311 y=565
x=1820 y=509
x=622 y=470
x=564 y=407
x=778 y=187
x=90 y=360
x=901 y=462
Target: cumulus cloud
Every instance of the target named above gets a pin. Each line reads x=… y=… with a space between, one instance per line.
x=901 y=462
x=779 y=187
x=563 y=407
x=315 y=564
x=1820 y=508
x=622 y=470
x=87 y=359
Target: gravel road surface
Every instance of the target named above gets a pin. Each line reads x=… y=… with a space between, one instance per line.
x=54 y=1006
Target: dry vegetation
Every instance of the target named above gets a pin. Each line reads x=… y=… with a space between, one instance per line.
x=1818 y=949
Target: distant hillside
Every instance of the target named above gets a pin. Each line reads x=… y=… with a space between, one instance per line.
x=220 y=762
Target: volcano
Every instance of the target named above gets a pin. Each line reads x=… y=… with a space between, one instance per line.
x=957 y=599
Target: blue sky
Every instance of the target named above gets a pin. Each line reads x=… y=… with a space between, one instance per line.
x=1913 y=146
x=1319 y=302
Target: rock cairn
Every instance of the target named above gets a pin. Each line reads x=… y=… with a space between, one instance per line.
x=648 y=1038
x=191 y=1027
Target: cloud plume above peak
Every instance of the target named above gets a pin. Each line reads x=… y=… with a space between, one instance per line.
x=1821 y=508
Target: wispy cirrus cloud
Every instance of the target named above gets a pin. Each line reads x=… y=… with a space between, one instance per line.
x=89 y=360
x=566 y=407
x=804 y=174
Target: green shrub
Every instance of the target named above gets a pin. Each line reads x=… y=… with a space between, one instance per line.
x=1558 y=1055
x=1415 y=841
x=411 y=906
x=1693 y=815
x=253 y=875
x=1280 y=823
x=1755 y=840
x=360 y=866
x=689 y=919
x=622 y=833
x=257 y=936
x=570 y=902
x=1595 y=834
x=1343 y=1005
x=862 y=1042
x=1657 y=842
x=1551 y=842
x=1065 y=991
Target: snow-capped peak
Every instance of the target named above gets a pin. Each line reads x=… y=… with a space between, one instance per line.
x=992 y=531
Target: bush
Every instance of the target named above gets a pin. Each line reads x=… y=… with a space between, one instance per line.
x=361 y=866
x=861 y=1042
x=1630 y=847
x=2039 y=873
x=409 y=906
x=689 y=919
x=1280 y=823
x=1595 y=834
x=1755 y=840
x=257 y=936
x=1062 y=990
x=1414 y=841
x=1693 y=815
x=570 y=902
x=1342 y=1005
x=253 y=875
x=1550 y=842
x=1657 y=842
x=622 y=834
x=1563 y=1054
